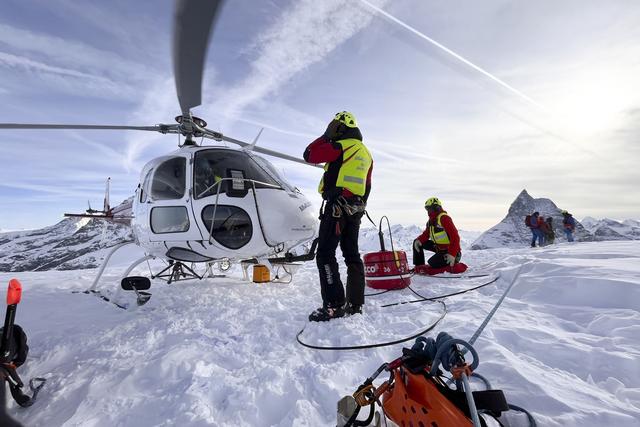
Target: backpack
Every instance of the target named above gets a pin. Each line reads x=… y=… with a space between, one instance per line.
x=527 y=220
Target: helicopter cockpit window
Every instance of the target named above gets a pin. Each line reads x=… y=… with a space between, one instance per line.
x=169 y=180
x=169 y=219
x=273 y=172
x=231 y=226
x=211 y=166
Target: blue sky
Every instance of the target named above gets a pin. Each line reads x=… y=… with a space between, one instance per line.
x=539 y=95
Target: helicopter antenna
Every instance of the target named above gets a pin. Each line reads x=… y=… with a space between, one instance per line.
x=253 y=144
x=106 y=208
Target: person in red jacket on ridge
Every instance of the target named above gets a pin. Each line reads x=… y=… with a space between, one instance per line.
x=441 y=236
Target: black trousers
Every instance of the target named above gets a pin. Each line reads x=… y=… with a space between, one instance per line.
x=336 y=227
x=437 y=260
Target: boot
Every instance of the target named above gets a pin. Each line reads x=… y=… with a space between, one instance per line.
x=324 y=314
x=351 y=309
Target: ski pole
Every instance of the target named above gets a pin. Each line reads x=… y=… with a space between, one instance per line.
x=14 y=293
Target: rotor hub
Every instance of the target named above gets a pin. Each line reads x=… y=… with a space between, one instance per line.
x=195 y=120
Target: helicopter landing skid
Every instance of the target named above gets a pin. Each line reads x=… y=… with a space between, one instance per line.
x=176 y=271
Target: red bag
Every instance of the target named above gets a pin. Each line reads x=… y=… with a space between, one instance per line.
x=386 y=270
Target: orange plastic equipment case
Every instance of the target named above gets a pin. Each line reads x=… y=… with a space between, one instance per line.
x=261 y=274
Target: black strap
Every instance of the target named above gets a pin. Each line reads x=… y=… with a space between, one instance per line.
x=15 y=386
x=491 y=401
x=370 y=220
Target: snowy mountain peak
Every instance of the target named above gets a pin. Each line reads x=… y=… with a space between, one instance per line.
x=512 y=231
x=70 y=244
x=610 y=229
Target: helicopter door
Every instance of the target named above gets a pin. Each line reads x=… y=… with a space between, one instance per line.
x=169 y=205
x=224 y=203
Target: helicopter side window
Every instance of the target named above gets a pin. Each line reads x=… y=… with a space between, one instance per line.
x=169 y=219
x=169 y=180
x=231 y=226
x=213 y=165
x=144 y=188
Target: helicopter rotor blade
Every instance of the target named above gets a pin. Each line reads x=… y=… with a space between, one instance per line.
x=282 y=156
x=156 y=128
x=220 y=137
x=193 y=22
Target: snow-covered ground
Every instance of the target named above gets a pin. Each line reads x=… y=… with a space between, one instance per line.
x=565 y=343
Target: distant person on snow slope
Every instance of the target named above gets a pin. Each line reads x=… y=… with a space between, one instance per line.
x=441 y=236
x=345 y=188
x=569 y=224
x=544 y=228
x=533 y=222
x=550 y=236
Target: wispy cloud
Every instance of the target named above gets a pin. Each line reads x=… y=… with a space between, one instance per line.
x=60 y=76
x=111 y=19
x=54 y=189
x=457 y=56
x=158 y=105
x=299 y=38
x=71 y=54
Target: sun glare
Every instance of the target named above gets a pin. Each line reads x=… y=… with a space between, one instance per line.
x=593 y=101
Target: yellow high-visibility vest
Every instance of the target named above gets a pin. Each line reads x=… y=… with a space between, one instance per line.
x=354 y=169
x=439 y=235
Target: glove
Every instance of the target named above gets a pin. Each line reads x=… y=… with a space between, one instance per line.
x=332 y=130
x=417 y=245
x=450 y=259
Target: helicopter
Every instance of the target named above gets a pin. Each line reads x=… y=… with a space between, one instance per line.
x=204 y=204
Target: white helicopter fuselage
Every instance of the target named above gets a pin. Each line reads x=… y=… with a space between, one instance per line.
x=209 y=203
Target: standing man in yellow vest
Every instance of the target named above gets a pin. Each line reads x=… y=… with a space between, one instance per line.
x=345 y=188
x=441 y=237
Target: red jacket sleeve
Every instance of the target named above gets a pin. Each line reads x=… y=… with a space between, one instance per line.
x=322 y=150
x=452 y=232
x=424 y=236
